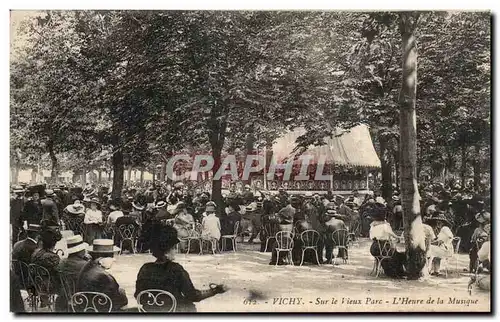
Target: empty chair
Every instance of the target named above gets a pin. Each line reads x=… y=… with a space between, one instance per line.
x=127 y=233
x=156 y=301
x=93 y=302
x=44 y=285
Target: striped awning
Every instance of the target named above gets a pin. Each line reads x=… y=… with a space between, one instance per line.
x=353 y=148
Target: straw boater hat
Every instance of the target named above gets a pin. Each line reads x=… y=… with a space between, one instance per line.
x=75 y=244
x=49 y=193
x=18 y=189
x=33 y=227
x=103 y=246
x=160 y=204
x=138 y=206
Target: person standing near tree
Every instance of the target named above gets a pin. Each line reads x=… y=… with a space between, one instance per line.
x=16 y=213
x=50 y=212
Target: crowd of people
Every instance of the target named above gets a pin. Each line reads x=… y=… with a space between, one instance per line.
x=164 y=220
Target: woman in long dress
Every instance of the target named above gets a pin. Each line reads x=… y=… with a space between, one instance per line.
x=442 y=246
x=184 y=224
x=93 y=222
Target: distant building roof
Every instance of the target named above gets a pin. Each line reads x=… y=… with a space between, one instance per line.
x=353 y=148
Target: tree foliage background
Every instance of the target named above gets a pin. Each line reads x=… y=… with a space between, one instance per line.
x=118 y=90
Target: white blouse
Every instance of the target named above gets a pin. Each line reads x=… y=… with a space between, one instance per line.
x=92 y=217
x=381 y=230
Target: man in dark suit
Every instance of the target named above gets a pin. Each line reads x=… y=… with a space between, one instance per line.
x=50 y=212
x=16 y=213
x=33 y=209
x=69 y=268
x=95 y=275
x=23 y=249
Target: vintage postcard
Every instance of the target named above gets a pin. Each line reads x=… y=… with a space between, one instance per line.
x=250 y=161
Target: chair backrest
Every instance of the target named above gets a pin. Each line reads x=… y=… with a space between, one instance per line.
x=91 y=302
x=60 y=251
x=385 y=249
x=21 y=269
x=68 y=284
x=127 y=231
x=284 y=240
x=355 y=228
x=340 y=238
x=110 y=230
x=154 y=300
x=236 y=227
x=310 y=238
x=41 y=278
x=456 y=244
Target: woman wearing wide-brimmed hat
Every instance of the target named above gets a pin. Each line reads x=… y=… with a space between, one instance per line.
x=184 y=224
x=165 y=274
x=442 y=247
x=93 y=222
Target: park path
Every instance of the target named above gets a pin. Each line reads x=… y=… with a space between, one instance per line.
x=317 y=287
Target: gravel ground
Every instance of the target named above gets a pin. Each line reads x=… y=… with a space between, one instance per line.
x=326 y=288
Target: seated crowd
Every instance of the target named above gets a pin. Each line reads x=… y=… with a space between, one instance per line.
x=164 y=222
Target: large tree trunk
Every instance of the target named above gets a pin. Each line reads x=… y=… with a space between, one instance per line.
x=249 y=145
x=163 y=171
x=142 y=175
x=217 y=184
x=15 y=173
x=386 y=167
x=99 y=176
x=34 y=173
x=477 y=166
x=53 y=158
x=118 y=169
x=412 y=221
x=129 y=175
x=463 y=168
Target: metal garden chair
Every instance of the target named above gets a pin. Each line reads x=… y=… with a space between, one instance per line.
x=93 y=302
x=340 y=239
x=42 y=282
x=127 y=233
x=231 y=237
x=154 y=300
x=284 y=243
x=310 y=239
x=385 y=252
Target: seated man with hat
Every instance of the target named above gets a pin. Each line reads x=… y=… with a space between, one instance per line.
x=228 y=220
x=96 y=277
x=333 y=223
x=70 y=267
x=49 y=207
x=23 y=249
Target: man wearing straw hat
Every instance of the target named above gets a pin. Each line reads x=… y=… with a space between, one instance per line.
x=70 y=267
x=96 y=277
